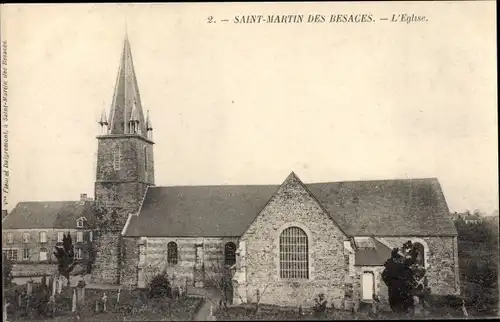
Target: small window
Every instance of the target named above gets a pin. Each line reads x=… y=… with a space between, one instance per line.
x=26 y=238
x=116 y=158
x=172 y=254
x=79 y=236
x=26 y=254
x=43 y=237
x=43 y=254
x=199 y=254
x=78 y=253
x=79 y=223
x=11 y=254
x=142 y=254
x=60 y=236
x=230 y=254
x=10 y=238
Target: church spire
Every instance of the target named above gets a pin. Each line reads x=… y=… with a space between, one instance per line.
x=126 y=103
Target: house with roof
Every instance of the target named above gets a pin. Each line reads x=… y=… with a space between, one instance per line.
x=468 y=218
x=34 y=228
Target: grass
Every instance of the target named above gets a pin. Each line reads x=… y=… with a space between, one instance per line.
x=484 y=254
x=133 y=306
x=276 y=313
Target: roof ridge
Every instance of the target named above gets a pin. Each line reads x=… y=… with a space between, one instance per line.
x=306 y=183
x=377 y=180
x=52 y=201
x=215 y=185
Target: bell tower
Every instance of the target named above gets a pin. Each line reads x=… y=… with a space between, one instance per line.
x=125 y=165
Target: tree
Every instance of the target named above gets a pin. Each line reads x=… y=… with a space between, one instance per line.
x=6 y=270
x=65 y=257
x=404 y=278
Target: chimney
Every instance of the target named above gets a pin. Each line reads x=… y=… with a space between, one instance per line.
x=83 y=197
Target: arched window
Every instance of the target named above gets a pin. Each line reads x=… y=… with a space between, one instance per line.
x=294 y=254
x=145 y=158
x=420 y=253
x=116 y=158
x=172 y=256
x=230 y=254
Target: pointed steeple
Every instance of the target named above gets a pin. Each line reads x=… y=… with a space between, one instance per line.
x=149 y=127
x=126 y=98
x=103 y=120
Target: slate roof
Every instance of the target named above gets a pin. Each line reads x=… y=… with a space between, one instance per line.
x=373 y=256
x=125 y=94
x=407 y=207
x=48 y=214
x=195 y=211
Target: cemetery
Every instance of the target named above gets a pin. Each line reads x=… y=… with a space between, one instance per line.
x=53 y=300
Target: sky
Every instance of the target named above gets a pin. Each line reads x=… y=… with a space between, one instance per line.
x=249 y=103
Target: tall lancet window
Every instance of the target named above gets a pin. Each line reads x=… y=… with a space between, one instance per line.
x=145 y=158
x=116 y=158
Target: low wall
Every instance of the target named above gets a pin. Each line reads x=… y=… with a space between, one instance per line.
x=24 y=270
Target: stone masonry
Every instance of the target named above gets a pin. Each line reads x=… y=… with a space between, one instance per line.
x=293 y=205
x=121 y=190
x=210 y=262
x=442 y=260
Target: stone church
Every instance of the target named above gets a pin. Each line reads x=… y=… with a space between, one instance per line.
x=284 y=243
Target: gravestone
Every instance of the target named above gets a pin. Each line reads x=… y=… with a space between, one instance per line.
x=464 y=310
x=29 y=287
x=417 y=308
x=104 y=302
x=5 y=306
x=73 y=304
x=118 y=296
x=80 y=294
x=54 y=286
x=60 y=285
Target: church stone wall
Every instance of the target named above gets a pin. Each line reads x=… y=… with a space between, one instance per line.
x=130 y=259
x=442 y=259
x=211 y=259
x=292 y=205
x=125 y=198
x=132 y=166
x=106 y=265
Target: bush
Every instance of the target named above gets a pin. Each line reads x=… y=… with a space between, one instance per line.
x=39 y=302
x=6 y=270
x=320 y=303
x=160 y=286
